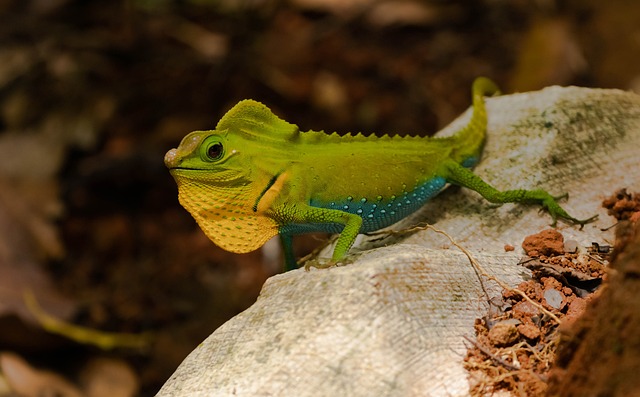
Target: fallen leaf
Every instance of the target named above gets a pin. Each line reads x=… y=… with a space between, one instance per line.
x=107 y=377
x=28 y=381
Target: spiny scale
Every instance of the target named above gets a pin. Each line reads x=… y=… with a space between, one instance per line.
x=254 y=120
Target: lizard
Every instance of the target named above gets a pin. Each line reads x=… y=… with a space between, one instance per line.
x=256 y=176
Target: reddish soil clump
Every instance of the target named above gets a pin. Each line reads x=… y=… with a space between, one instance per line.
x=569 y=336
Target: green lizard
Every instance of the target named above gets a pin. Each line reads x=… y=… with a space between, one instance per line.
x=256 y=176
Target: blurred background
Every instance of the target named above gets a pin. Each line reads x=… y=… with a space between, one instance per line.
x=93 y=93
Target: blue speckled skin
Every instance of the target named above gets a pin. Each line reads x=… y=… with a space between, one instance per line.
x=377 y=212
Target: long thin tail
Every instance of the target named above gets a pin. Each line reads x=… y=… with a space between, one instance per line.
x=470 y=139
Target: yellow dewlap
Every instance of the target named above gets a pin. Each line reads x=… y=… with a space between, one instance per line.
x=226 y=216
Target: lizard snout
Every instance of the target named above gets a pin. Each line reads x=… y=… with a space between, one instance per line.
x=171 y=159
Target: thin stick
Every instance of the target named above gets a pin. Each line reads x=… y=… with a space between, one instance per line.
x=481 y=270
x=492 y=356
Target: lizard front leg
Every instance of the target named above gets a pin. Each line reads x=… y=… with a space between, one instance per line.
x=306 y=214
x=459 y=175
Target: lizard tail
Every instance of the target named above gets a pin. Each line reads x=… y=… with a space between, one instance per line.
x=470 y=139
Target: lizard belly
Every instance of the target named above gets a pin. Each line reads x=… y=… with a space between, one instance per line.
x=376 y=212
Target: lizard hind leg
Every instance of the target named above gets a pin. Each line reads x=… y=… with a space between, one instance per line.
x=459 y=175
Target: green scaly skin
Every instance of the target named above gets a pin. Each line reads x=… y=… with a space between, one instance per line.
x=256 y=176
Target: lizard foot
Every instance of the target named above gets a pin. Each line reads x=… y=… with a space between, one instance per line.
x=557 y=212
x=319 y=264
x=327 y=263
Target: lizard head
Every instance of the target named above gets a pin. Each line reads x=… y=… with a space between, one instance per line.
x=247 y=134
x=221 y=174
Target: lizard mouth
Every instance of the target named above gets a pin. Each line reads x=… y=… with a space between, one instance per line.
x=172 y=161
x=186 y=169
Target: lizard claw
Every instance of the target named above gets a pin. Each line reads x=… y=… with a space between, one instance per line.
x=571 y=219
x=583 y=222
x=561 y=197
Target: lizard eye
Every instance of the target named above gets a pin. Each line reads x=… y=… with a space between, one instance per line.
x=215 y=151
